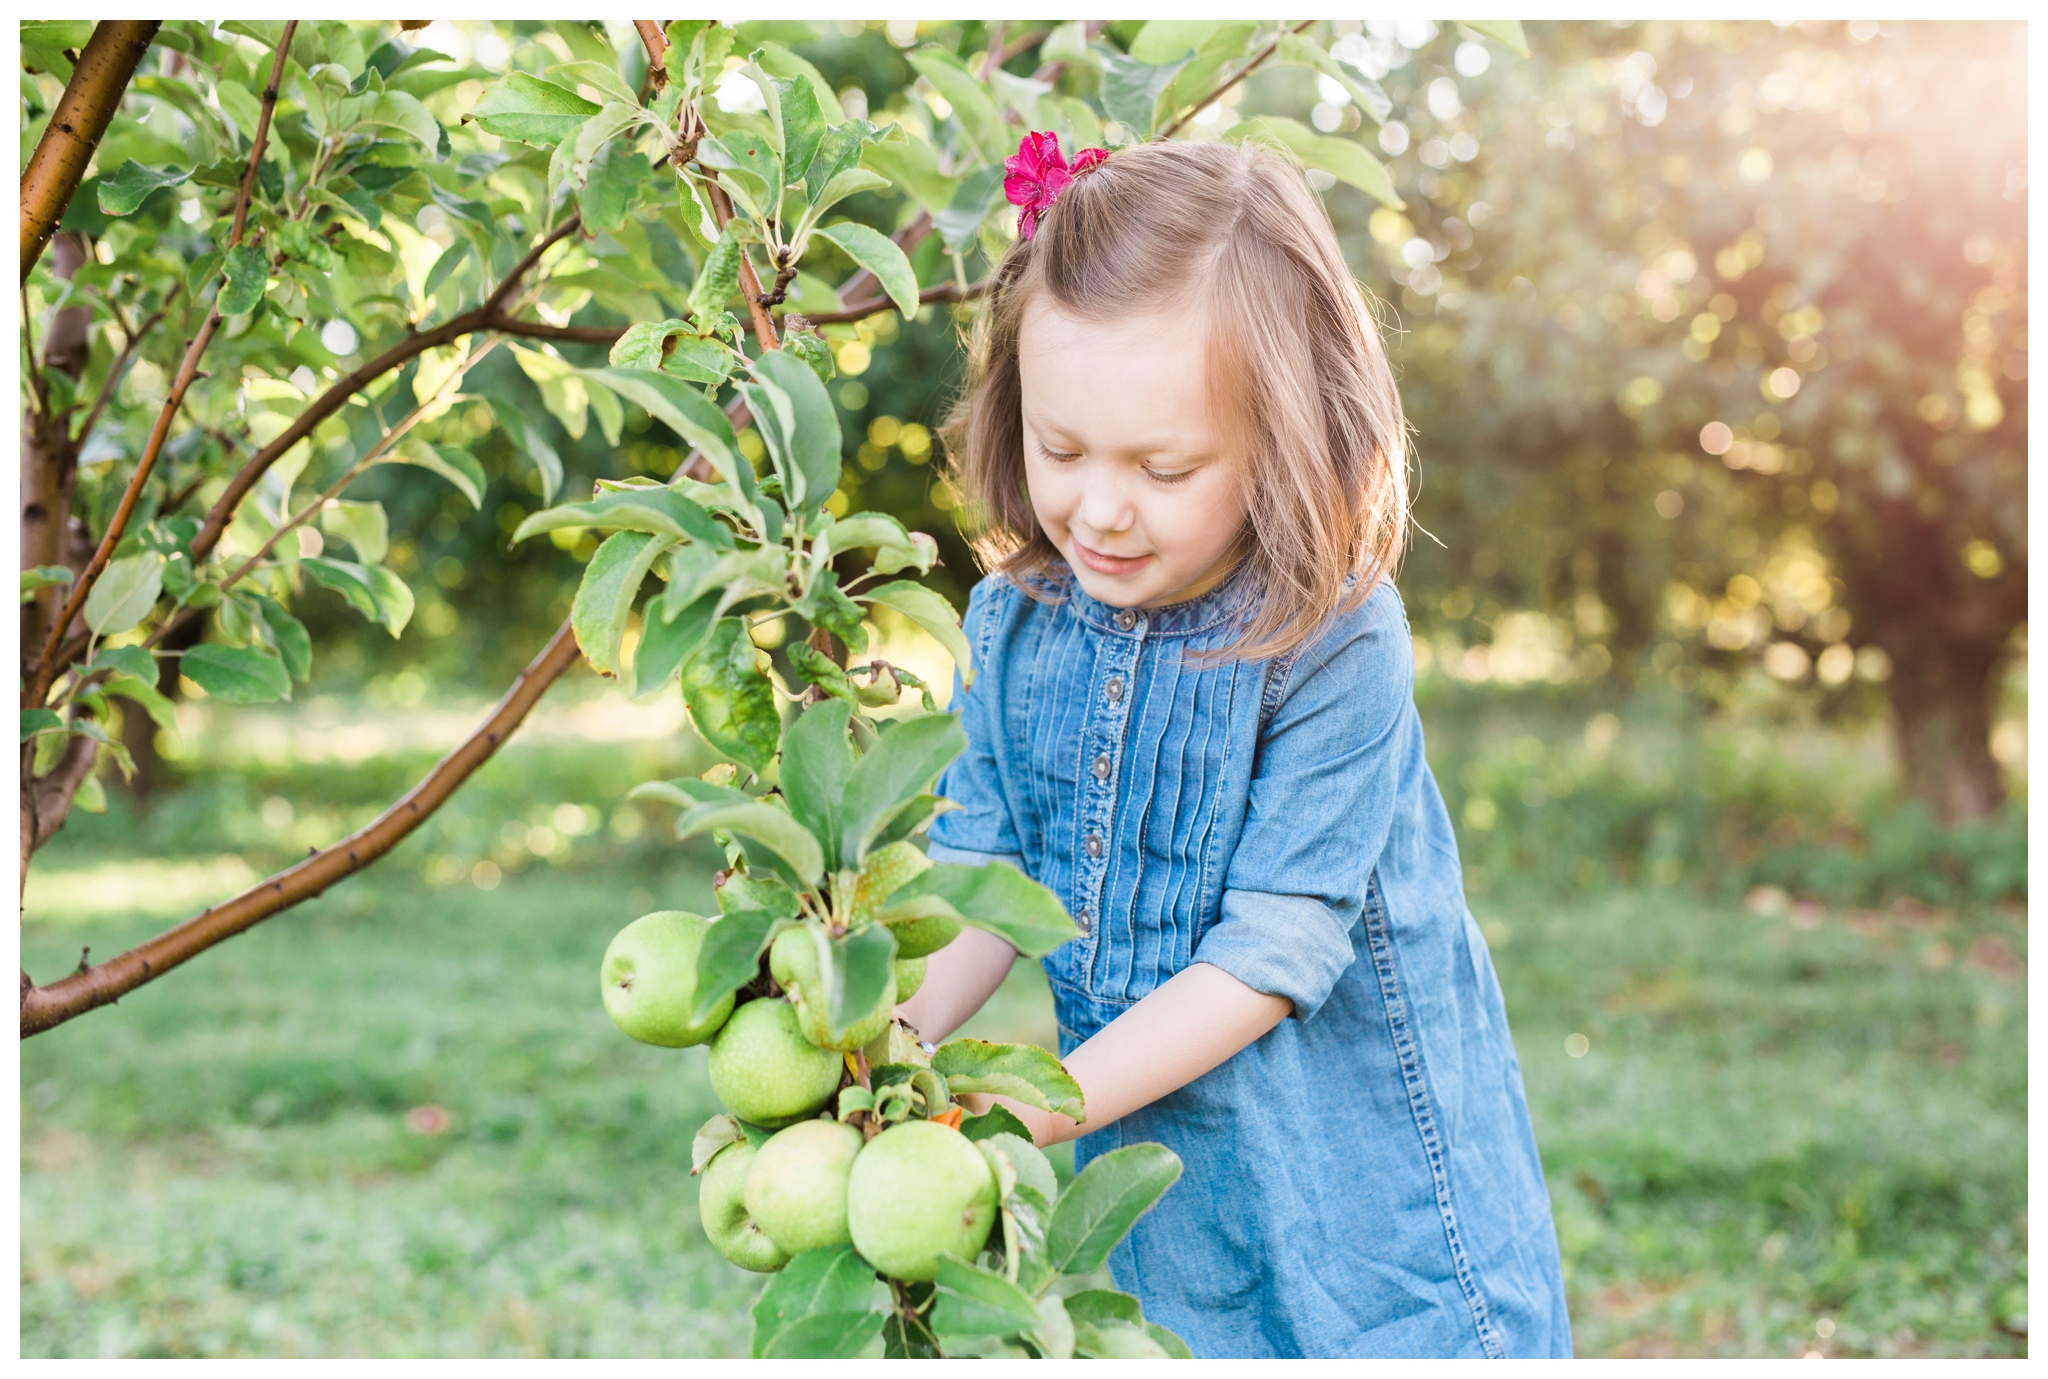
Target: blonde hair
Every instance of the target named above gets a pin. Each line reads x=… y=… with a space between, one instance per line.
x=1313 y=419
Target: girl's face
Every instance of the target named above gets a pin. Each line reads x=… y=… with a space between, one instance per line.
x=1121 y=458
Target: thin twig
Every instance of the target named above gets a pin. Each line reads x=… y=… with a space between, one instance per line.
x=134 y=342
x=1203 y=104
x=46 y=660
x=35 y=365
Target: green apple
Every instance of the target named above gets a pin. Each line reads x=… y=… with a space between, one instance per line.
x=765 y=1071
x=796 y=1189
x=919 y=1190
x=793 y=961
x=909 y=977
x=886 y=870
x=722 y=1206
x=649 y=979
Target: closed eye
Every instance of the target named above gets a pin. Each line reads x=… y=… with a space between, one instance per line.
x=1182 y=477
x=1057 y=456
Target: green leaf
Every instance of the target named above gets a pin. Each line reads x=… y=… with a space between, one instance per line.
x=1026 y=1159
x=1104 y=1305
x=371 y=590
x=534 y=446
x=450 y=259
x=604 y=600
x=294 y=644
x=1023 y=1071
x=601 y=75
x=237 y=674
x=617 y=117
x=827 y=1336
x=929 y=610
x=901 y=766
x=1116 y=1341
x=129 y=185
x=144 y=692
x=126 y=591
x=34 y=721
x=656 y=510
x=532 y=111
x=362 y=525
x=821 y=670
x=642 y=346
x=1054 y=1334
x=248 y=274
x=113 y=746
x=1506 y=32
x=828 y=607
x=458 y=467
x=997 y=1120
x=847 y=182
x=1163 y=40
x=126 y=660
x=858 y=976
x=962 y=218
x=975 y=1302
x=814 y=441
x=779 y=61
x=799 y=119
x=1105 y=1201
x=839 y=150
x=817 y=760
x=42 y=577
x=752 y=172
x=685 y=411
x=1344 y=159
x=1174 y=1346
x=405 y=113
x=666 y=642
x=913 y=165
x=731 y=954
x=773 y=828
x=818 y=1283
x=978 y=116
x=713 y=1135
x=1131 y=89
x=718 y=277
x=689 y=792
x=995 y=897
x=877 y=253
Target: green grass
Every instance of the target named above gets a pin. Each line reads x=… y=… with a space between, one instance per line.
x=1779 y=1118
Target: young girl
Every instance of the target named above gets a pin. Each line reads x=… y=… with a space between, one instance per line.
x=1193 y=720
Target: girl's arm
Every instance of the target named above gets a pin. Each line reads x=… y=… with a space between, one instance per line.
x=962 y=975
x=1196 y=1021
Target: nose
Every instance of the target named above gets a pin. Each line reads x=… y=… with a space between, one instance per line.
x=1105 y=508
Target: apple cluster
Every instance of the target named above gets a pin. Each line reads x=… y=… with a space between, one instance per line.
x=891 y=1175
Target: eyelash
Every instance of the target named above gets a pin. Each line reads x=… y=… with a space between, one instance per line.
x=1061 y=457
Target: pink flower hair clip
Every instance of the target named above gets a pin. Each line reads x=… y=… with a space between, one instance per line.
x=1037 y=174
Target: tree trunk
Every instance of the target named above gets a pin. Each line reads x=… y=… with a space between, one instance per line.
x=66 y=147
x=49 y=460
x=1941 y=723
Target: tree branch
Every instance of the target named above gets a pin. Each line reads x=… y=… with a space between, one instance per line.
x=485 y=317
x=46 y=1007
x=90 y=98
x=1205 y=102
x=46 y=661
x=944 y=292
x=55 y=791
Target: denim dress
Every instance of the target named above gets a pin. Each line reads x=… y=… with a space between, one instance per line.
x=1362 y=1180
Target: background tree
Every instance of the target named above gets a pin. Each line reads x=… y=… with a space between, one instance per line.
x=1728 y=365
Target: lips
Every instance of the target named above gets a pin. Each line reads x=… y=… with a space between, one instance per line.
x=1104 y=564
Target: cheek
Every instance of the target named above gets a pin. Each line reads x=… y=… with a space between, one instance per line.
x=1051 y=492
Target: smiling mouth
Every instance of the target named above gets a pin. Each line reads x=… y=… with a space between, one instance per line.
x=1104 y=564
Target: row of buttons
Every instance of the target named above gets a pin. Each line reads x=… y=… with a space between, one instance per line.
x=1113 y=691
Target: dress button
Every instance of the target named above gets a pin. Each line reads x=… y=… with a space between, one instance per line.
x=1102 y=767
x=1082 y=919
x=1125 y=619
x=1094 y=845
x=1115 y=689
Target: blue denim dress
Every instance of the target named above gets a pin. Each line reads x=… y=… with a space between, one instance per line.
x=1361 y=1181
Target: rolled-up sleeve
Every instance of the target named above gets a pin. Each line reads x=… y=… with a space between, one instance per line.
x=981 y=825
x=1320 y=808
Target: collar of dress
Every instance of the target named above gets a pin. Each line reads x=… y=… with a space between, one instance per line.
x=1220 y=605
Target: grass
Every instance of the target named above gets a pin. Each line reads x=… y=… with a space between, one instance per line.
x=397 y=1122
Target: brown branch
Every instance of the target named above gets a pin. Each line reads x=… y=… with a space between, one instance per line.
x=944 y=292
x=536 y=330
x=262 y=135
x=1210 y=99
x=46 y=1007
x=55 y=791
x=486 y=317
x=1001 y=57
x=90 y=98
x=46 y=661
x=656 y=42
